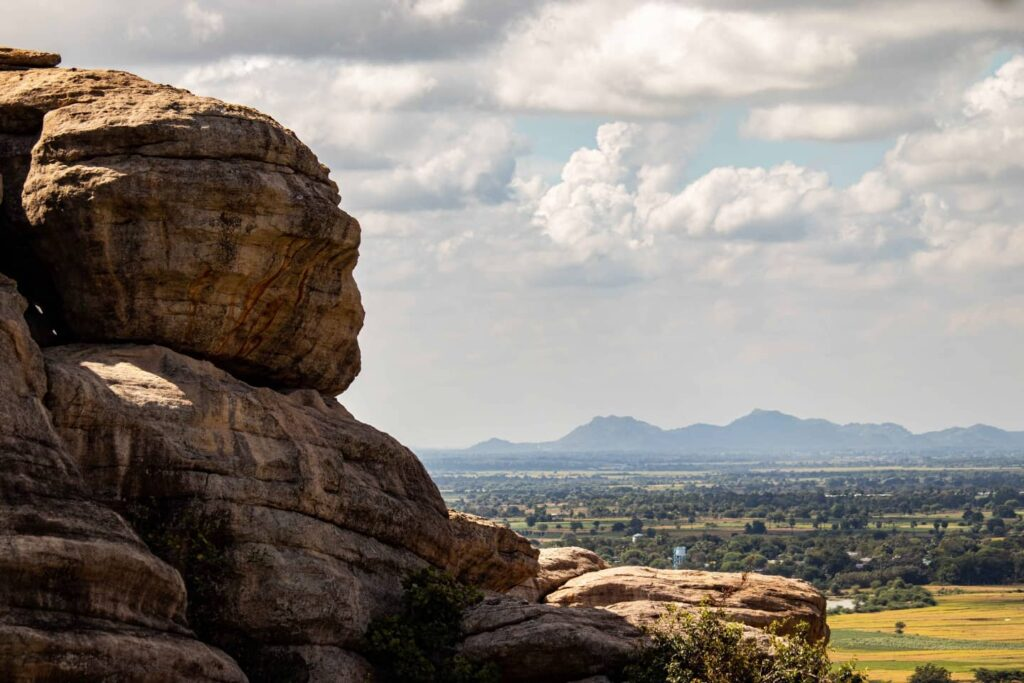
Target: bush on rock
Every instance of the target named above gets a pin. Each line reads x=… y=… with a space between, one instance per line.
x=418 y=645
x=704 y=648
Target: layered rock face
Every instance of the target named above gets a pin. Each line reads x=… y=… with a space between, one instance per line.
x=168 y=218
x=81 y=598
x=138 y=212
x=321 y=515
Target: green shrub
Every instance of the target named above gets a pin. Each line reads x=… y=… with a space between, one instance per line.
x=195 y=541
x=1004 y=676
x=418 y=645
x=897 y=594
x=929 y=673
x=705 y=648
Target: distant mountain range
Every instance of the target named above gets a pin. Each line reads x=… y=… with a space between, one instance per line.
x=766 y=431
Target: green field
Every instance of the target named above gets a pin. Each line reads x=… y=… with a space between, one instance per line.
x=970 y=627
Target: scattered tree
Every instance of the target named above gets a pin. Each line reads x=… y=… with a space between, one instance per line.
x=930 y=673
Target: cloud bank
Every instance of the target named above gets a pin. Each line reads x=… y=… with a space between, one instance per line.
x=689 y=257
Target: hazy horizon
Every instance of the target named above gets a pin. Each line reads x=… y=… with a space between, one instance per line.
x=676 y=211
x=667 y=427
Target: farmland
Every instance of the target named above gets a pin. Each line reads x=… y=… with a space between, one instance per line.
x=851 y=529
x=970 y=627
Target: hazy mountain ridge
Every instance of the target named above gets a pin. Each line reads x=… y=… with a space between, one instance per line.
x=761 y=430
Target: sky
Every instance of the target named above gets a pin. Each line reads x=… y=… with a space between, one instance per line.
x=679 y=211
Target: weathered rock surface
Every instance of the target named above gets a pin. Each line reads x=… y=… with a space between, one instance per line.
x=488 y=555
x=547 y=644
x=81 y=598
x=15 y=58
x=161 y=217
x=324 y=515
x=173 y=247
x=556 y=566
x=753 y=599
x=648 y=613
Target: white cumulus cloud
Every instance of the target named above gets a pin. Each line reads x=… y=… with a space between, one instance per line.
x=658 y=58
x=834 y=121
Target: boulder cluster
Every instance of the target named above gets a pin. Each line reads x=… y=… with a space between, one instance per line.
x=181 y=496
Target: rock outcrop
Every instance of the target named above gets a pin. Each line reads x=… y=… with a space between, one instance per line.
x=321 y=515
x=81 y=597
x=534 y=643
x=157 y=216
x=556 y=566
x=488 y=555
x=753 y=599
x=187 y=270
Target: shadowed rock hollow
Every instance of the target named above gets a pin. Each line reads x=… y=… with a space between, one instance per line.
x=181 y=498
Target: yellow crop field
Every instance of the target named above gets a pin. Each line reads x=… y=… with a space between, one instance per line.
x=970 y=627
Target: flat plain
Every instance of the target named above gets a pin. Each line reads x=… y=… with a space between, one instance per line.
x=970 y=627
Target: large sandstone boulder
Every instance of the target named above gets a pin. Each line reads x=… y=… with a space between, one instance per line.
x=322 y=516
x=81 y=598
x=757 y=600
x=489 y=555
x=137 y=212
x=556 y=566
x=534 y=643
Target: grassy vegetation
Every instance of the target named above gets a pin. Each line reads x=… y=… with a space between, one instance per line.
x=970 y=627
